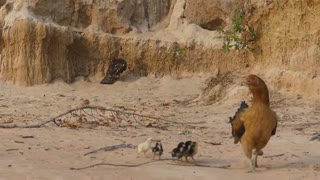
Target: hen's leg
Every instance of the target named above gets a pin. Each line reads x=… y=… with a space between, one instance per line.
x=256 y=154
x=248 y=152
x=255 y=160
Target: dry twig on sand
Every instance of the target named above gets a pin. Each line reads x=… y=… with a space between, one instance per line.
x=116 y=114
x=53 y=119
x=213 y=143
x=118 y=165
x=200 y=165
x=272 y=156
x=111 y=148
x=148 y=162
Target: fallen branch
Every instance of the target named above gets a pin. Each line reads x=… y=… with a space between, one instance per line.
x=118 y=165
x=272 y=156
x=53 y=119
x=27 y=136
x=111 y=148
x=148 y=162
x=200 y=165
x=38 y=125
x=12 y=149
x=213 y=143
x=91 y=114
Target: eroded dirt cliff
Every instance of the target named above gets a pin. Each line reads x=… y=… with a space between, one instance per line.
x=43 y=40
x=288 y=45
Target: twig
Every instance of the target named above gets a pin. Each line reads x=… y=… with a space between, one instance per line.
x=183 y=123
x=148 y=162
x=110 y=148
x=200 y=165
x=94 y=117
x=27 y=137
x=272 y=156
x=119 y=165
x=213 y=143
x=12 y=149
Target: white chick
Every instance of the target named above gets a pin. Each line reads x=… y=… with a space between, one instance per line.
x=145 y=146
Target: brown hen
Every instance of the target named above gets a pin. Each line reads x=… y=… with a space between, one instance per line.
x=257 y=123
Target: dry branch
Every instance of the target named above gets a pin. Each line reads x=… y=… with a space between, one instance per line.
x=117 y=112
x=200 y=165
x=27 y=136
x=272 y=156
x=111 y=148
x=12 y=149
x=38 y=125
x=118 y=165
x=148 y=162
x=213 y=143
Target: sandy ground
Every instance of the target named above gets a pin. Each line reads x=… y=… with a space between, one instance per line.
x=54 y=150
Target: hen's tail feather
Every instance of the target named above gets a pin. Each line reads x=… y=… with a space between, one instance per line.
x=238 y=130
x=242 y=107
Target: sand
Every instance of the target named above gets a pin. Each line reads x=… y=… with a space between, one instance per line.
x=54 y=150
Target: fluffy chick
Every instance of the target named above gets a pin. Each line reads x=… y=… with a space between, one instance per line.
x=178 y=151
x=190 y=149
x=145 y=146
x=157 y=150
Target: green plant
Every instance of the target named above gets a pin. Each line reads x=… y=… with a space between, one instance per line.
x=240 y=34
x=180 y=53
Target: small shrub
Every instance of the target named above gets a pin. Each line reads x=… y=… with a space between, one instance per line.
x=241 y=33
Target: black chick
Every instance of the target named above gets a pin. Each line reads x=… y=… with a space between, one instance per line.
x=241 y=131
x=157 y=150
x=116 y=67
x=190 y=149
x=178 y=151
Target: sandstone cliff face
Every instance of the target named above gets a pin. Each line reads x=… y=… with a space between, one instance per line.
x=288 y=45
x=209 y=14
x=43 y=40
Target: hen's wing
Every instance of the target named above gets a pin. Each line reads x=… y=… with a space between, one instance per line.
x=237 y=125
